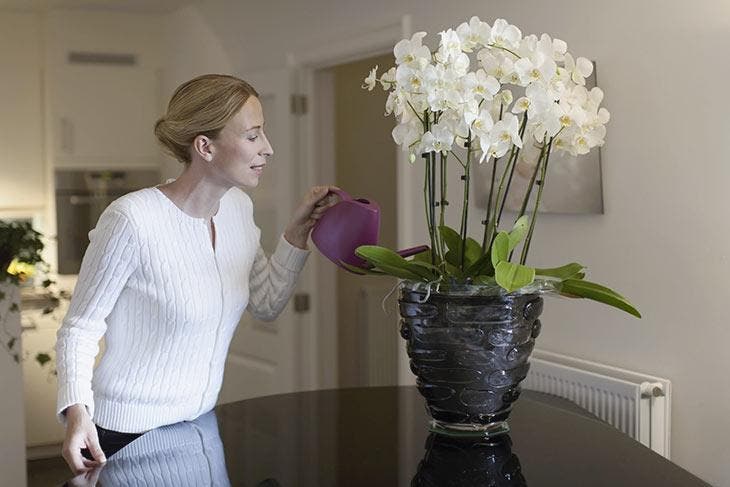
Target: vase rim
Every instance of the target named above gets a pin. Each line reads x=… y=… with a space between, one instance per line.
x=538 y=287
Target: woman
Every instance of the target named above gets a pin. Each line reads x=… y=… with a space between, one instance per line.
x=168 y=272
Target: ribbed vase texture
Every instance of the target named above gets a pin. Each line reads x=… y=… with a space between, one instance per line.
x=469 y=352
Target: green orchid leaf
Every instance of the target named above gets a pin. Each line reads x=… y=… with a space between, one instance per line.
x=389 y=261
x=400 y=273
x=519 y=230
x=360 y=270
x=596 y=292
x=453 y=270
x=473 y=251
x=424 y=256
x=483 y=265
x=500 y=248
x=452 y=257
x=567 y=271
x=425 y=265
x=451 y=237
x=513 y=276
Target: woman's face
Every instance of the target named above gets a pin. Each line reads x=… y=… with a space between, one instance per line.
x=241 y=147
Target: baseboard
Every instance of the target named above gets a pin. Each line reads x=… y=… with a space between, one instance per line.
x=40 y=452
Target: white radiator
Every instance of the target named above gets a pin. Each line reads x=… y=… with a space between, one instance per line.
x=637 y=404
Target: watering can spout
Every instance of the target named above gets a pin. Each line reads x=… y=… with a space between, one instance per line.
x=346 y=226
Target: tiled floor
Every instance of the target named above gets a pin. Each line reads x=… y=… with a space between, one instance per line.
x=48 y=472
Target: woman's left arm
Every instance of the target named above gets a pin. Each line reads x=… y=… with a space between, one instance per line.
x=272 y=281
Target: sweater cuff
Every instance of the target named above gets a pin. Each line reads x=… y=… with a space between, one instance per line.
x=290 y=257
x=70 y=394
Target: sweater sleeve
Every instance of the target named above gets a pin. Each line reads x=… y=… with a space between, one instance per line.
x=272 y=281
x=110 y=259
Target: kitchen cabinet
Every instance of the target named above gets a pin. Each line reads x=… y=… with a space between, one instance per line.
x=103 y=116
x=22 y=164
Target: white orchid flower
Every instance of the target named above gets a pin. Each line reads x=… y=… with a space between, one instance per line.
x=409 y=79
x=453 y=120
x=371 y=79
x=577 y=95
x=540 y=101
x=579 y=69
x=412 y=52
x=505 y=35
x=483 y=124
x=387 y=79
x=405 y=134
x=474 y=34
x=481 y=84
x=538 y=64
x=449 y=46
x=560 y=48
x=603 y=116
x=498 y=65
x=595 y=137
x=521 y=105
x=504 y=134
x=438 y=139
x=485 y=143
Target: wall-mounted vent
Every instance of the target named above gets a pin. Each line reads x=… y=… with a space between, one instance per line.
x=108 y=58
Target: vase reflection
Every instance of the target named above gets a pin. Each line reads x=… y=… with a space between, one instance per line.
x=465 y=462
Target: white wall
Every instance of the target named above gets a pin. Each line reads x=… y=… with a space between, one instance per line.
x=662 y=240
x=191 y=48
x=12 y=439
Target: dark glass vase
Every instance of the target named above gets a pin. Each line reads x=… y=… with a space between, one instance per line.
x=462 y=462
x=469 y=349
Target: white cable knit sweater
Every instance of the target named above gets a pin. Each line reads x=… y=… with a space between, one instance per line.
x=167 y=305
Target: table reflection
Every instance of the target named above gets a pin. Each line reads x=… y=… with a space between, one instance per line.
x=461 y=462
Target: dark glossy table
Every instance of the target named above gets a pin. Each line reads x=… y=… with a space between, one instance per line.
x=379 y=437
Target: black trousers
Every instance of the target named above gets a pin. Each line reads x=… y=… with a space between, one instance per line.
x=111 y=441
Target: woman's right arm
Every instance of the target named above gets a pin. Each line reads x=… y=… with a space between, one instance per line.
x=110 y=259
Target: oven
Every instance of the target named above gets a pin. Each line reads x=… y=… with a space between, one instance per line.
x=81 y=197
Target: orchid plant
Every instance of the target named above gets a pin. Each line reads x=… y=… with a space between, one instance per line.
x=457 y=104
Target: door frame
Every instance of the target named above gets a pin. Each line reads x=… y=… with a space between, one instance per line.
x=319 y=326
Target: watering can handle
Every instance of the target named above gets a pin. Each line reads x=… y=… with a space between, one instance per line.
x=344 y=195
x=412 y=251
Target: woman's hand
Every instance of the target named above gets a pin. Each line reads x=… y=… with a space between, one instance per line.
x=81 y=433
x=315 y=203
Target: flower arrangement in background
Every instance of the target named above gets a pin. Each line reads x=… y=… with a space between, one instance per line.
x=21 y=249
x=457 y=104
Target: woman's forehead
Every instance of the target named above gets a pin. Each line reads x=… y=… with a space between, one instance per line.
x=250 y=115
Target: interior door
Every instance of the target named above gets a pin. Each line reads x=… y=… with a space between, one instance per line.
x=263 y=357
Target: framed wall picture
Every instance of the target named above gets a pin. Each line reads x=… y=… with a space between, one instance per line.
x=574 y=183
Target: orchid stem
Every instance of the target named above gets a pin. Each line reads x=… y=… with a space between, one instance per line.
x=543 y=175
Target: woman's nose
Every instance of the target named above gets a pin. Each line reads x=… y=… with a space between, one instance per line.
x=268 y=150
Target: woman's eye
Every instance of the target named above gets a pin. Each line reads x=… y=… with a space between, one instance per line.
x=253 y=137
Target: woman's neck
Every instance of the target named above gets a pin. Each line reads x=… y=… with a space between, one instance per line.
x=194 y=193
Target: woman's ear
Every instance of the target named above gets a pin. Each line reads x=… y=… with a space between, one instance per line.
x=203 y=146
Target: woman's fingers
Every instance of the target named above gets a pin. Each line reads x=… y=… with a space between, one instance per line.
x=94 y=448
x=72 y=454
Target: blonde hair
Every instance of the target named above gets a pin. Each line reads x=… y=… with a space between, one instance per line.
x=201 y=106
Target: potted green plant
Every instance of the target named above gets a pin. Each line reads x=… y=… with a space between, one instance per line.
x=470 y=306
x=21 y=249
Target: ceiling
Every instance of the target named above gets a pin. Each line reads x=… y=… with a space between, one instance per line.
x=139 y=6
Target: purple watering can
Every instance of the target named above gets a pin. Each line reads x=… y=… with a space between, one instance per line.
x=346 y=226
